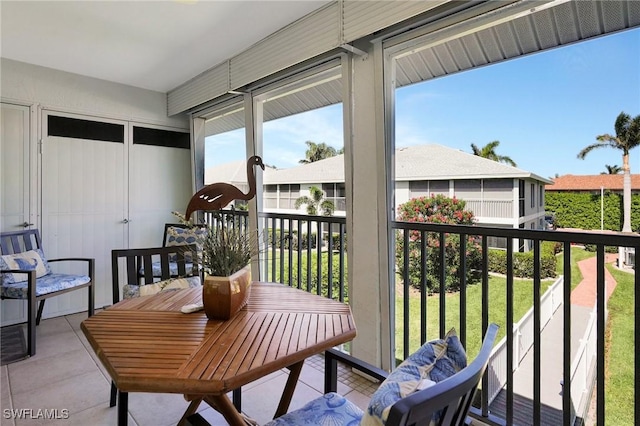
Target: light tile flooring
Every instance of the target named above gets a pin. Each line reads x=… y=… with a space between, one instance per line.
x=65 y=374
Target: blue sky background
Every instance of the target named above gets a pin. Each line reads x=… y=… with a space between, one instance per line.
x=543 y=108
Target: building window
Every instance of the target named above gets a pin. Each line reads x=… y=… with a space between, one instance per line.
x=270 y=196
x=288 y=196
x=541 y=197
x=533 y=195
x=336 y=193
x=521 y=197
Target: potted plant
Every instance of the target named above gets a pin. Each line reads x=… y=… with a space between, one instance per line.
x=225 y=256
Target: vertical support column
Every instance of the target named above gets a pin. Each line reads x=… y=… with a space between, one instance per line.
x=253 y=134
x=367 y=220
x=197 y=152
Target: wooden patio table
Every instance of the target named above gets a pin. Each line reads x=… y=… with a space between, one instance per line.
x=148 y=345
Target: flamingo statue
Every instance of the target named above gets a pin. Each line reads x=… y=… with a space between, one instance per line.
x=217 y=195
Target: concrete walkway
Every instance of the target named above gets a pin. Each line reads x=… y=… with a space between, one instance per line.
x=583 y=298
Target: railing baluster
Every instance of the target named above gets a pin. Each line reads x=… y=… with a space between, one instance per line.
x=601 y=298
x=567 y=405
x=536 y=332
x=329 y=262
x=443 y=277
x=509 y=331
x=341 y=253
x=281 y=250
x=423 y=287
x=290 y=250
x=462 y=276
x=405 y=292
x=485 y=319
x=309 y=263
x=299 y=240
x=319 y=257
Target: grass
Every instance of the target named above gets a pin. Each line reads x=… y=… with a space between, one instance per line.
x=620 y=350
x=522 y=300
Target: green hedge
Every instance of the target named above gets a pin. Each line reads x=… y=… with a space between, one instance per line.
x=523 y=262
x=582 y=210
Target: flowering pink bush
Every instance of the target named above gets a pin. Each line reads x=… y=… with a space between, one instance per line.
x=436 y=209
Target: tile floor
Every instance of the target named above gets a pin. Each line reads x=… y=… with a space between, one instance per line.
x=65 y=374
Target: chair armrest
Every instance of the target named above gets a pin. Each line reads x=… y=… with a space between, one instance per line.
x=31 y=280
x=91 y=263
x=331 y=358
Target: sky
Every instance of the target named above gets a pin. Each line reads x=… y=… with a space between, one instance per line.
x=543 y=108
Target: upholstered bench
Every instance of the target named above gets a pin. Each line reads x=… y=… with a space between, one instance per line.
x=25 y=274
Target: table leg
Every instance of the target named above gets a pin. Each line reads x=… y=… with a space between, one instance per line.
x=222 y=404
x=191 y=409
x=289 y=388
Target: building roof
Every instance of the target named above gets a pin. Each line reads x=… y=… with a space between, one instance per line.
x=419 y=162
x=591 y=183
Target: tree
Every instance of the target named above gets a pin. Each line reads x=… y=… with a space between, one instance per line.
x=627 y=137
x=489 y=151
x=316 y=202
x=611 y=170
x=436 y=209
x=317 y=152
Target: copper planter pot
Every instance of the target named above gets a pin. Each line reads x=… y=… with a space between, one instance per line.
x=223 y=297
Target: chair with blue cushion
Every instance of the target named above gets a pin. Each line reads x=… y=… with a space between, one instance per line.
x=176 y=234
x=433 y=386
x=25 y=274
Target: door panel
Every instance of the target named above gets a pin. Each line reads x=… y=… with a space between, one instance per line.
x=159 y=183
x=14 y=177
x=84 y=207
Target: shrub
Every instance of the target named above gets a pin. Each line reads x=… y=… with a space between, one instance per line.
x=607 y=249
x=436 y=209
x=582 y=210
x=523 y=262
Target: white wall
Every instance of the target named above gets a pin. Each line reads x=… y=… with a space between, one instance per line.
x=31 y=84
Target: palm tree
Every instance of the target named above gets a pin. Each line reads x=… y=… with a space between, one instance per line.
x=611 y=170
x=316 y=202
x=627 y=137
x=489 y=151
x=317 y=152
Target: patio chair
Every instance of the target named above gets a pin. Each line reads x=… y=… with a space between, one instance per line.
x=149 y=271
x=406 y=397
x=176 y=234
x=25 y=274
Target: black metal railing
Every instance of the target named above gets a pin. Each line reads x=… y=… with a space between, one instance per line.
x=304 y=251
x=415 y=236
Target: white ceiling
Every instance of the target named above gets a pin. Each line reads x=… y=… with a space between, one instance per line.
x=155 y=45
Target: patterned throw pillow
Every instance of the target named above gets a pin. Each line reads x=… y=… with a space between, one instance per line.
x=28 y=260
x=433 y=362
x=131 y=290
x=181 y=236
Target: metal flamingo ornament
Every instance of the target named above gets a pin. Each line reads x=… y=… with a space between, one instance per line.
x=217 y=195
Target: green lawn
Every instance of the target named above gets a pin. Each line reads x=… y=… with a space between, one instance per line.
x=620 y=349
x=522 y=299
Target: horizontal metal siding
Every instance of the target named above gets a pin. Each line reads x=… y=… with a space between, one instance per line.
x=202 y=88
x=563 y=24
x=361 y=18
x=314 y=34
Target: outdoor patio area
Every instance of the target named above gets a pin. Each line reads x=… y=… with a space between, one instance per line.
x=66 y=379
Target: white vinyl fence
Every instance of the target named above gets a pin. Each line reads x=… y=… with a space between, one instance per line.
x=550 y=301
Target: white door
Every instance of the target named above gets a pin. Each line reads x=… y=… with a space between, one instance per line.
x=84 y=198
x=18 y=195
x=159 y=181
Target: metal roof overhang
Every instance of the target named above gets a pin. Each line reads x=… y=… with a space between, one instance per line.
x=495 y=39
